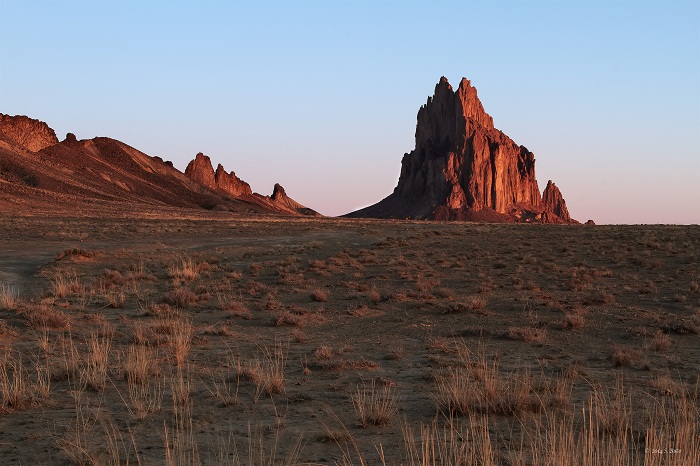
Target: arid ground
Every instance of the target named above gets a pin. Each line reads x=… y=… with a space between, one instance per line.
x=219 y=340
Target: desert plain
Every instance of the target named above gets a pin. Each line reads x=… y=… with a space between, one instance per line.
x=190 y=337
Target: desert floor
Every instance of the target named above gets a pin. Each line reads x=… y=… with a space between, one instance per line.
x=218 y=340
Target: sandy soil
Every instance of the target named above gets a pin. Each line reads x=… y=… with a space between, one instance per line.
x=189 y=340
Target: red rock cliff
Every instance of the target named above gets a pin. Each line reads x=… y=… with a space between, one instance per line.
x=31 y=134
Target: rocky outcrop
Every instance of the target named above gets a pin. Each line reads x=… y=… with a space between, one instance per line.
x=463 y=168
x=28 y=133
x=230 y=183
x=553 y=201
x=200 y=170
x=279 y=198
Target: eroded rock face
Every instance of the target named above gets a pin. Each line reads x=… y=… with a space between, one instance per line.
x=463 y=167
x=230 y=183
x=29 y=133
x=554 y=202
x=201 y=171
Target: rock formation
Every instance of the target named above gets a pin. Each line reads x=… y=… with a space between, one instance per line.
x=279 y=197
x=554 y=202
x=28 y=133
x=200 y=170
x=101 y=175
x=463 y=168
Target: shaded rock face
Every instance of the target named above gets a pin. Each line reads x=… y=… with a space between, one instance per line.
x=554 y=202
x=463 y=168
x=31 y=134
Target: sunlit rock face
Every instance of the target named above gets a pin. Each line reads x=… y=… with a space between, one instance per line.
x=554 y=202
x=462 y=168
x=28 y=133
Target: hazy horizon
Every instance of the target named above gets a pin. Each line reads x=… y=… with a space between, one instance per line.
x=322 y=97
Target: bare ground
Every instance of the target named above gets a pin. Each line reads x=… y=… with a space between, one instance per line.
x=193 y=340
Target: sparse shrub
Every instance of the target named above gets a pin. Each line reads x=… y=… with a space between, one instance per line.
x=476 y=384
x=181 y=335
x=180 y=297
x=77 y=253
x=45 y=316
x=623 y=356
x=527 y=334
x=266 y=371
x=115 y=299
x=65 y=283
x=96 y=364
x=374 y=296
x=574 y=321
x=186 y=269
x=661 y=341
x=469 y=304
x=323 y=353
x=319 y=295
x=15 y=386
x=233 y=306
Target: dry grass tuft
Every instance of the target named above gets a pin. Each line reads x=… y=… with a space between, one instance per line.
x=625 y=356
x=375 y=406
x=266 y=371
x=65 y=283
x=469 y=304
x=574 y=321
x=9 y=297
x=96 y=364
x=185 y=269
x=527 y=334
x=44 y=316
x=661 y=341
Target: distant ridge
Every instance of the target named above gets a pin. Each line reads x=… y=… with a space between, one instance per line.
x=39 y=173
x=463 y=168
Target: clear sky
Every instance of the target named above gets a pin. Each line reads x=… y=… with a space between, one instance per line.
x=321 y=96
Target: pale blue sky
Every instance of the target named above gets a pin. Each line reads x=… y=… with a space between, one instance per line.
x=322 y=96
